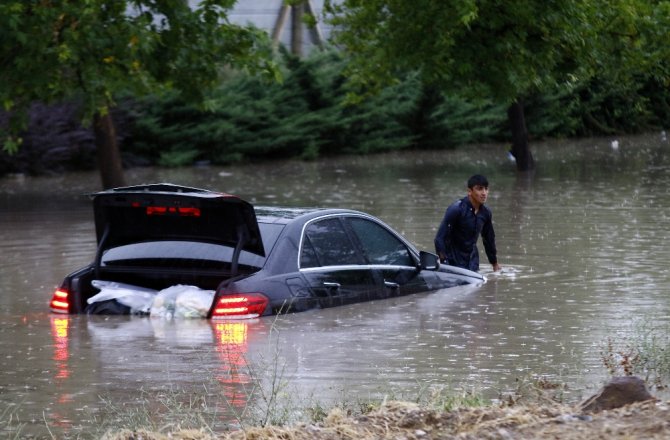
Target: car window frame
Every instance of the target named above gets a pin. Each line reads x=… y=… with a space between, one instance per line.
x=342 y=217
x=354 y=244
x=349 y=222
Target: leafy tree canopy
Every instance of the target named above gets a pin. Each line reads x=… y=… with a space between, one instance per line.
x=498 y=49
x=96 y=49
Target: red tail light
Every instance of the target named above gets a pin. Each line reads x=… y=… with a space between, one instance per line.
x=59 y=302
x=240 y=306
x=185 y=211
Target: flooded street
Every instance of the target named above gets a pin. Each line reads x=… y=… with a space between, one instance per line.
x=582 y=242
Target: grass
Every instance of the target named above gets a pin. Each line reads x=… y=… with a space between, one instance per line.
x=10 y=424
x=160 y=411
x=174 y=410
x=645 y=352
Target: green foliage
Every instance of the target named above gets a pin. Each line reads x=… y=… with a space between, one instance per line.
x=599 y=106
x=305 y=116
x=99 y=49
x=554 y=114
x=177 y=158
x=488 y=49
x=506 y=50
x=308 y=115
x=419 y=74
x=467 y=122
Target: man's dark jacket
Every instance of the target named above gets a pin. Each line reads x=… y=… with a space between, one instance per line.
x=458 y=233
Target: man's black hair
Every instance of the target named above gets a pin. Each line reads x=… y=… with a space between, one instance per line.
x=478 y=179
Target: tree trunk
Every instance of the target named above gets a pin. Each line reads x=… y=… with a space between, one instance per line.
x=109 y=156
x=520 y=148
x=296 y=29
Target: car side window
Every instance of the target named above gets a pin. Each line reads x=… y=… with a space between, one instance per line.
x=326 y=243
x=380 y=245
x=308 y=257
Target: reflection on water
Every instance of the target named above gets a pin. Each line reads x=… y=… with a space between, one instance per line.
x=582 y=243
x=233 y=372
x=59 y=332
x=137 y=354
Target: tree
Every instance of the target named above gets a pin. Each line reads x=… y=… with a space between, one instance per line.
x=97 y=50
x=497 y=49
x=302 y=12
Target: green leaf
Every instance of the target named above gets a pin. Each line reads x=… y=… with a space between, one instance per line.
x=101 y=49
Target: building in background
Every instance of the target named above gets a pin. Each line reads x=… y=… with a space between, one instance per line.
x=284 y=23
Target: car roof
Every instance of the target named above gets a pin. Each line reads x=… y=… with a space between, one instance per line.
x=285 y=215
x=172 y=212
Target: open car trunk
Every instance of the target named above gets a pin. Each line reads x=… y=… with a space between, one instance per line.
x=157 y=237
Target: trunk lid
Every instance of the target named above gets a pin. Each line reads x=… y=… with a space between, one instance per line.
x=165 y=211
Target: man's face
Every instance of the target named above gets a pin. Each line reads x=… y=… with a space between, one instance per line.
x=478 y=194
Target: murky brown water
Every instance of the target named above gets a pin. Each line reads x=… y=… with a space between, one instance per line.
x=583 y=243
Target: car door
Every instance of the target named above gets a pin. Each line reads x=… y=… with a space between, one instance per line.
x=390 y=259
x=334 y=268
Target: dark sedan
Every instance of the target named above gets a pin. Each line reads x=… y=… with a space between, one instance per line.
x=251 y=261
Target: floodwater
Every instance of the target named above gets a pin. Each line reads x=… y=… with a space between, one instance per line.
x=583 y=244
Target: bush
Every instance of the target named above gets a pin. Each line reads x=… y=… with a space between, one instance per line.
x=309 y=116
x=306 y=116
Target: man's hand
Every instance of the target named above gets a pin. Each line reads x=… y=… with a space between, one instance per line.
x=496 y=267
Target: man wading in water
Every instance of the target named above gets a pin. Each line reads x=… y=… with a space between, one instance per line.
x=464 y=221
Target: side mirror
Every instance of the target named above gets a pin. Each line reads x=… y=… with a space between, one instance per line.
x=428 y=261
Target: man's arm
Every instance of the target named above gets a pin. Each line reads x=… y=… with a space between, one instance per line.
x=489 y=241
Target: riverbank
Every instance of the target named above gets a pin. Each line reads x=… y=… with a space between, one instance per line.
x=408 y=421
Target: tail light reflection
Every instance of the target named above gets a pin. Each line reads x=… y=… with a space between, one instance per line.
x=232 y=347
x=60 y=327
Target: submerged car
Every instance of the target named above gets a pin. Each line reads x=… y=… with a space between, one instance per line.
x=254 y=261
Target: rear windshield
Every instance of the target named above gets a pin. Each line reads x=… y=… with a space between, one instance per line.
x=188 y=253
